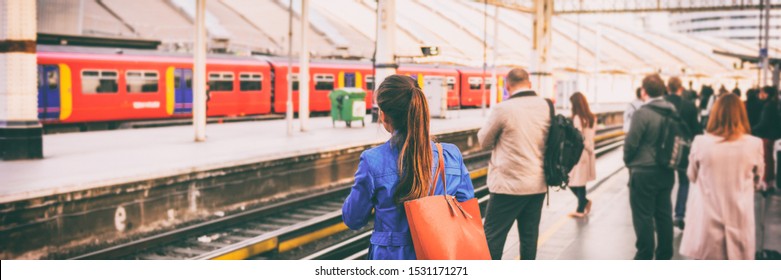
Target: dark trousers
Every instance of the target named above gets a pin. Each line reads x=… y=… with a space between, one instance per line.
x=580 y=193
x=502 y=210
x=649 y=198
x=683 y=195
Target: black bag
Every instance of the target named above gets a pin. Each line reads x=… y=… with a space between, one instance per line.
x=563 y=149
x=674 y=142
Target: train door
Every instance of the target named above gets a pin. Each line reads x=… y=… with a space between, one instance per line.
x=349 y=79
x=48 y=92
x=183 y=91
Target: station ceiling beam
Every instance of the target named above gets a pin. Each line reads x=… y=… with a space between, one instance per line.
x=636 y=6
x=521 y=6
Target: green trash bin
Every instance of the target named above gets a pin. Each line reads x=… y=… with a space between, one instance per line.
x=348 y=105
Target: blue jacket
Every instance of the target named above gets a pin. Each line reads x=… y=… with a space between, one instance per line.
x=375 y=184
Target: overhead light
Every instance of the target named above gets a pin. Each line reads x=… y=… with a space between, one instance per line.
x=429 y=50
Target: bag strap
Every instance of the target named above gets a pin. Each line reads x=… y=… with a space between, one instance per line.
x=451 y=201
x=552 y=115
x=550 y=107
x=440 y=172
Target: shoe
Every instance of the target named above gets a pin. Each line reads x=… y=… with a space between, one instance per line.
x=679 y=223
x=588 y=208
x=577 y=215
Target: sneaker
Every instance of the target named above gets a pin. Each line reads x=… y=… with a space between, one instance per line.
x=678 y=223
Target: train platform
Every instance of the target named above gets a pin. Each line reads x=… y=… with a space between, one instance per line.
x=81 y=161
x=607 y=233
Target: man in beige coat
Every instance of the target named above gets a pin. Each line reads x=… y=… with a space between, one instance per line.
x=516 y=132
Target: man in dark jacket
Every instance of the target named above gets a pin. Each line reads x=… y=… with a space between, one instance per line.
x=688 y=113
x=650 y=185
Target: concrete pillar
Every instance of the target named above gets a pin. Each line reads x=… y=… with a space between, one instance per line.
x=541 y=45
x=199 y=72
x=289 y=101
x=20 y=130
x=303 y=70
x=385 y=64
x=495 y=90
x=766 y=47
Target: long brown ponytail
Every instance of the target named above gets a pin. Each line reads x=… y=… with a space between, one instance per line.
x=581 y=109
x=401 y=99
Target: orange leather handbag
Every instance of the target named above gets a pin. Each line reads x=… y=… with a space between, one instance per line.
x=443 y=228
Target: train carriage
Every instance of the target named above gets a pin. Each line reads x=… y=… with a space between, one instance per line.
x=324 y=76
x=420 y=72
x=80 y=87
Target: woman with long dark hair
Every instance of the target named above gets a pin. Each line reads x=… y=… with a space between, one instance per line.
x=725 y=165
x=585 y=171
x=401 y=170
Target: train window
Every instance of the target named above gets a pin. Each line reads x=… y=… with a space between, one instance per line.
x=53 y=79
x=451 y=83
x=250 y=81
x=369 y=82
x=488 y=83
x=475 y=82
x=324 y=82
x=220 y=81
x=294 y=80
x=141 y=81
x=188 y=79
x=99 y=81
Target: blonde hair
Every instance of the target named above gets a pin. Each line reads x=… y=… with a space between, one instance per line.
x=728 y=118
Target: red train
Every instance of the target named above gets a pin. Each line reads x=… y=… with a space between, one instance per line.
x=87 y=85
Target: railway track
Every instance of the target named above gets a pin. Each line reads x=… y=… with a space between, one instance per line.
x=280 y=230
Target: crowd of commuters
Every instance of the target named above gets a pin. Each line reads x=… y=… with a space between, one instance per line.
x=714 y=203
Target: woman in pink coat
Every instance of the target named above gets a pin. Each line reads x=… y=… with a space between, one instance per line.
x=585 y=170
x=725 y=165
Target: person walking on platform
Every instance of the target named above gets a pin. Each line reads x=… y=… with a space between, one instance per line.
x=516 y=131
x=755 y=102
x=585 y=170
x=631 y=108
x=690 y=94
x=725 y=165
x=650 y=184
x=707 y=98
x=401 y=170
x=769 y=129
x=688 y=114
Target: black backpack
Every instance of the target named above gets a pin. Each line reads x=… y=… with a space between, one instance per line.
x=562 y=149
x=674 y=142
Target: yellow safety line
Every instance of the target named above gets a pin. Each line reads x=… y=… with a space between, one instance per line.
x=480 y=172
x=310 y=237
x=608 y=135
x=249 y=251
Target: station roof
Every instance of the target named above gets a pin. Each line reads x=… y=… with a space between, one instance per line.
x=346 y=28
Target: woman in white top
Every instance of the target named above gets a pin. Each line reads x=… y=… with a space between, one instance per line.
x=725 y=165
x=585 y=170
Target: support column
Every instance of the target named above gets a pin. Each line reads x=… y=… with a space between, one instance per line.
x=289 y=101
x=541 y=44
x=766 y=62
x=199 y=72
x=495 y=90
x=303 y=68
x=20 y=131
x=385 y=47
